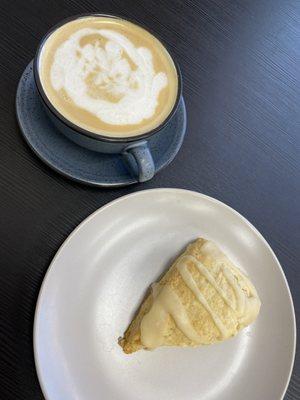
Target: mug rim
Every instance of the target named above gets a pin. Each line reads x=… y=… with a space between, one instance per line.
x=78 y=129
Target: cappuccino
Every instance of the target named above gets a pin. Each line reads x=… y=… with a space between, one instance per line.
x=108 y=76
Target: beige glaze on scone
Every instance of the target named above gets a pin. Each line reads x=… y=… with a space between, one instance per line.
x=202 y=299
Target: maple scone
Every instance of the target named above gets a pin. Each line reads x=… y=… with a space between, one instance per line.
x=202 y=299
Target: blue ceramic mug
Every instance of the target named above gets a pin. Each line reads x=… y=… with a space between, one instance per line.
x=134 y=149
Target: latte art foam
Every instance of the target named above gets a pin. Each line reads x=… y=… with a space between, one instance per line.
x=106 y=74
x=133 y=90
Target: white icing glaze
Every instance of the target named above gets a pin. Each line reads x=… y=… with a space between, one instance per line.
x=247 y=306
x=154 y=322
x=191 y=284
x=239 y=294
x=209 y=277
x=134 y=85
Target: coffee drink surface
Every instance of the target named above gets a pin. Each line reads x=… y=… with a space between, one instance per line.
x=108 y=76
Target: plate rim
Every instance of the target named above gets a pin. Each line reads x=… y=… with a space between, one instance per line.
x=124 y=198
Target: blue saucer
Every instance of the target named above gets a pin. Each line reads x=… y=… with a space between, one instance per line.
x=80 y=164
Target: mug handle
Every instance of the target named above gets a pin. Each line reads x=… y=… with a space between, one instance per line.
x=139 y=161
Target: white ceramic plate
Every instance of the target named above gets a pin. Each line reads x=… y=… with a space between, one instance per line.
x=98 y=278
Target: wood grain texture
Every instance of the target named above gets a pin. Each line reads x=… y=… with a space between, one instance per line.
x=240 y=61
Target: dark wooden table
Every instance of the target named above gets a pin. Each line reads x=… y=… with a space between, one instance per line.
x=240 y=61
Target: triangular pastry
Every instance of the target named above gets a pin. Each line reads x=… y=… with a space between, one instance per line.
x=202 y=299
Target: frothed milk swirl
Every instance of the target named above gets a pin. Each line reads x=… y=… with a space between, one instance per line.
x=136 y=87
x=108 y=76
